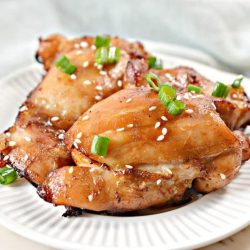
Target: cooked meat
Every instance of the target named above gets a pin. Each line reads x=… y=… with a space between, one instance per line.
x=55 y=45
x=234 y=110
x=100 y=189
x=153 y=157
x=34 y=145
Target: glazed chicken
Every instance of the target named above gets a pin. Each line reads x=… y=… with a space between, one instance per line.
x=35 y=144
x=153 y=157
x=234 y=110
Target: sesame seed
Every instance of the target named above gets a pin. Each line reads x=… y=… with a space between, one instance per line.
x=90 y=197
x=189 y=111
x=84 y=44
x=186 y=96
x=85 y=118
x=79 y=52
x=6 y=157
x=169 y=76
x=129 y=166
x=120 y=129
x=157 y=124
x=87 y=82
x=85 y=64
x=77 y=46
x=75 y=145
x=178 y=98
x=98 y=97
x=213 y=105
x=152 y=108
x=93 y=47
x=164 y=131
x=27 y=138
x=119 y=83
x=61 y=136
x=25 y=158
x=128 y=100
x=99 y=88
x=73 y=76
x=222 y=176
x=79 y=135
x=160 y=138
x=164 y=118
x=48 y=123
x=23 y=108
x=77 y=140
x=55 y=118
x=103 y=73
x=99 y=66
x=71 y=169
x=92 y=170
x=12 y=143
x=169 y=171
x=131 y=125
x=8 y=134
x=158 y=182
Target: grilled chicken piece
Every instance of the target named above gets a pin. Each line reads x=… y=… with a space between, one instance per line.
x=34 y=145
x=234 y=110
x=55 y=45
x=153 y=157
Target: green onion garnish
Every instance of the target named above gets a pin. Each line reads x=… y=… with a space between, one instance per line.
x=7 y=175
x=154 y=63
x=194 y=88
x=237 y=82
x=106 y=55
x=100 y=145
x=176 y=107
x=220 y=90
x=154 y=81
x=166 y=94
x=64 y=64
x=102 y=41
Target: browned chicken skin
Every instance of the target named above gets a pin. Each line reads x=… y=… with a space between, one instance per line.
x=153 y=157
x=34 y=145
x=234 y=110
x=144 y=168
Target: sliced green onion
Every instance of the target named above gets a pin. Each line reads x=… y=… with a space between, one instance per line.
x=64 y=64
x=220 y=90
x=7 y=175
x=166 y=94
x=194 y=88
x=114 y=55
x=100 y=145
x=176 y=107
x=154 y=63
x=106 y=55
x=154 y=81
x=237 y=82
x=102 y=41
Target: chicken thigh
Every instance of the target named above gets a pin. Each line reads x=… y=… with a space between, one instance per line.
x=152 y=158
x=35 y=144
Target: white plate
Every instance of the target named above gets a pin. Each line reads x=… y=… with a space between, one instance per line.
x=213 y=217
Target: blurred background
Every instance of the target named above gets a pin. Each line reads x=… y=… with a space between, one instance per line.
x=219 y=28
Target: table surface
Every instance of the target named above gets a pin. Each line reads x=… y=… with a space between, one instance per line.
x=12 y=241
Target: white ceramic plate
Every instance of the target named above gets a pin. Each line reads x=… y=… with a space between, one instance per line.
x=213 y=217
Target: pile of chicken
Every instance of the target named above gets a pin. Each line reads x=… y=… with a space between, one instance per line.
x=152 y=158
